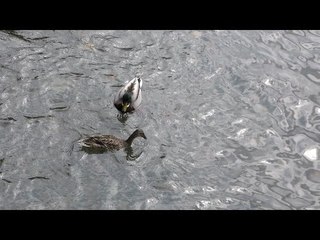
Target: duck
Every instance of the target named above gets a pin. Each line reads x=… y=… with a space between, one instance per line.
x=129 y=96
x=110 y=142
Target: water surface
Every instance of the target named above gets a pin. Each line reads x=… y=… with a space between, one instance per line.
x=232 y=119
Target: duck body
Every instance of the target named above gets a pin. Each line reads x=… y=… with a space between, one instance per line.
x=109 y=142
x=106 y=142
x=129 y=96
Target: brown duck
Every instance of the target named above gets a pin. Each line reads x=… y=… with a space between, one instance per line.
x=109 y=142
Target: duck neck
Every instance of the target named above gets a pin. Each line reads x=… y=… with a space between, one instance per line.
x=131 y=138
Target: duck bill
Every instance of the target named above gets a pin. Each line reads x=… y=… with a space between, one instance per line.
x=125 y=107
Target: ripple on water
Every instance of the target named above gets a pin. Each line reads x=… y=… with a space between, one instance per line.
x=313 y=175
x=311 y=154
x=232 y=119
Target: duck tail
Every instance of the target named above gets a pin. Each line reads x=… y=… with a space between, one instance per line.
x=82 y=143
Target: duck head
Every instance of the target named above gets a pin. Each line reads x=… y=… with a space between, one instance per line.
x=127 y=99
x=136 y=133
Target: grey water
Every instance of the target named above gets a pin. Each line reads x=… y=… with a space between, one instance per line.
x=232 y=119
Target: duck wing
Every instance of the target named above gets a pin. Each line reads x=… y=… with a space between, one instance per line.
x=137 y=95
x=102 y=141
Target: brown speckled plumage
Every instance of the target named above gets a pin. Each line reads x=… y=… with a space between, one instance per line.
x=109 y=142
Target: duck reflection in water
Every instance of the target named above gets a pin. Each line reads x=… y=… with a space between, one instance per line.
x=122 y=117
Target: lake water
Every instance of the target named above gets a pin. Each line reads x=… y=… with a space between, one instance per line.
x=232 y=119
